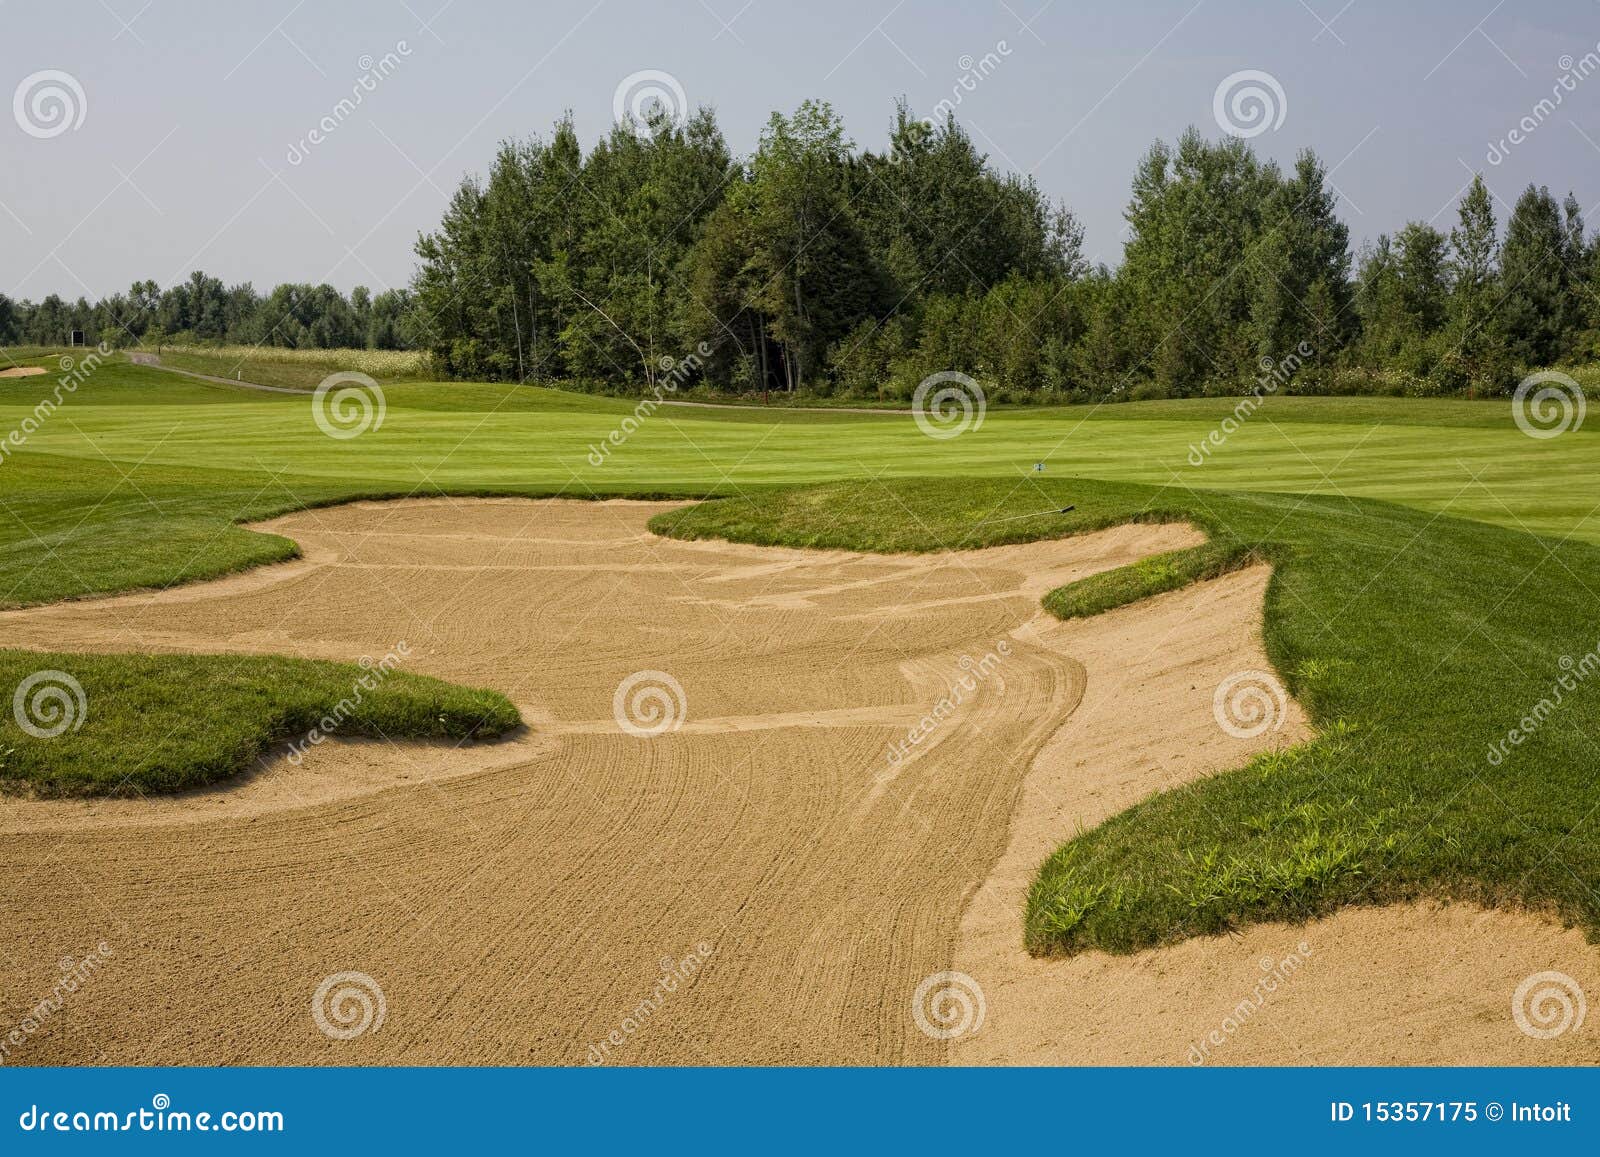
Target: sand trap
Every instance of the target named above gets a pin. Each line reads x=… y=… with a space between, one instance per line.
x=1413 y=984
x=22 y=372
x=515 y=901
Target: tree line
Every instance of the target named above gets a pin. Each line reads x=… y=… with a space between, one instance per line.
x=819 y=267
x=816 y=266
x=202 y=309
x=601 y=268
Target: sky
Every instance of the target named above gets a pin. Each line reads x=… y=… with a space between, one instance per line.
x=148 y=138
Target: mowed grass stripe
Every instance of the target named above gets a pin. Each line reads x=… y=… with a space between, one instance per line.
x=1467 y=458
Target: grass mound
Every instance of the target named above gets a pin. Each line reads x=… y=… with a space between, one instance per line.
x=1152 y=576
x=918 y=515
x=138 y=724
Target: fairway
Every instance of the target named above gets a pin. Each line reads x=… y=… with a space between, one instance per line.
x=1464 y=458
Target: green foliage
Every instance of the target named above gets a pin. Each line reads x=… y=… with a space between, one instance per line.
x=816 y=269
x=814 y=278
x=779 y=273
x=563 y=265
x=1534 y=269
x=943 y=223
x=1402 y=298
x=1231 y=265
x=202 y=310
x=1474 y=330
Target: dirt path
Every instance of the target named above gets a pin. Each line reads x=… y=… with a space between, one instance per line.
x=768 y=883
x=785 y=408
x=140 y=358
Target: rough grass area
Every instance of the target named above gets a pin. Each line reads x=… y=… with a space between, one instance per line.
x=163 y=723
x=1415 y=642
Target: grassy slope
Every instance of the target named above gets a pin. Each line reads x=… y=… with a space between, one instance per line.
x=1414 y=640
x=292 y=369
x=32 y=355
x=287 y=376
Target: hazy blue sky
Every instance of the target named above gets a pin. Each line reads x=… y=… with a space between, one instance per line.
x=190 y=109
